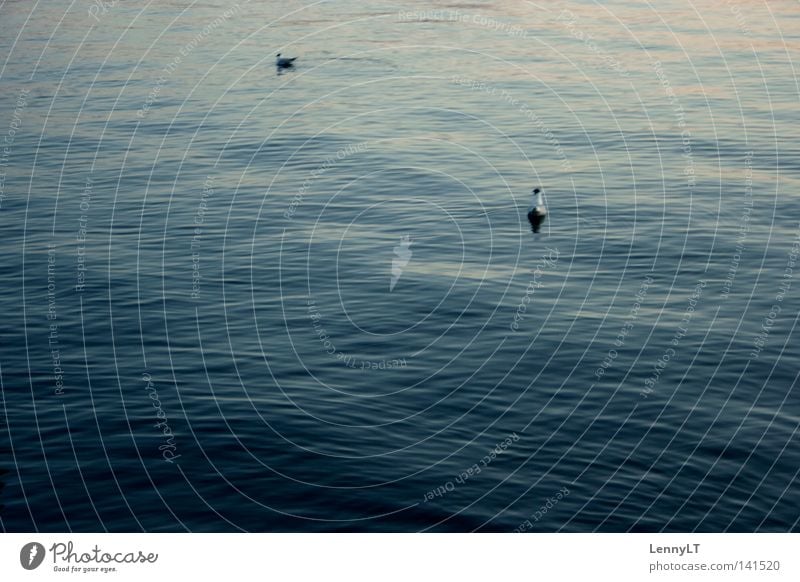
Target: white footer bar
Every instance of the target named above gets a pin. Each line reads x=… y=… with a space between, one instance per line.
x=401 y=557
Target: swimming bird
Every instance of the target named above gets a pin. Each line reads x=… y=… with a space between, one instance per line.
x=283 y=62
x=537 y=212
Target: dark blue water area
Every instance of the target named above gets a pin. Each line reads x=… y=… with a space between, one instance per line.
x=236 y=300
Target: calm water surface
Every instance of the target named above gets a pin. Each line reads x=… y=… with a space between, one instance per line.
x=311 y=301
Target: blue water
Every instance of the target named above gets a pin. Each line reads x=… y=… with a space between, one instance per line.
x=235 y=299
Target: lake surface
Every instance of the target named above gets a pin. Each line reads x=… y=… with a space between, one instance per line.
x=235 y=299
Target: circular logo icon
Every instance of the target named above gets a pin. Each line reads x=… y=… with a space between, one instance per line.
x=31 y=555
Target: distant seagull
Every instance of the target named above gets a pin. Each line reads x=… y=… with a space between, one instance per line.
x=537 y=212
x=284 y=63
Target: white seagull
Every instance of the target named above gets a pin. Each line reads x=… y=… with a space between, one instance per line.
x=284 y=63
x=537 y=212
